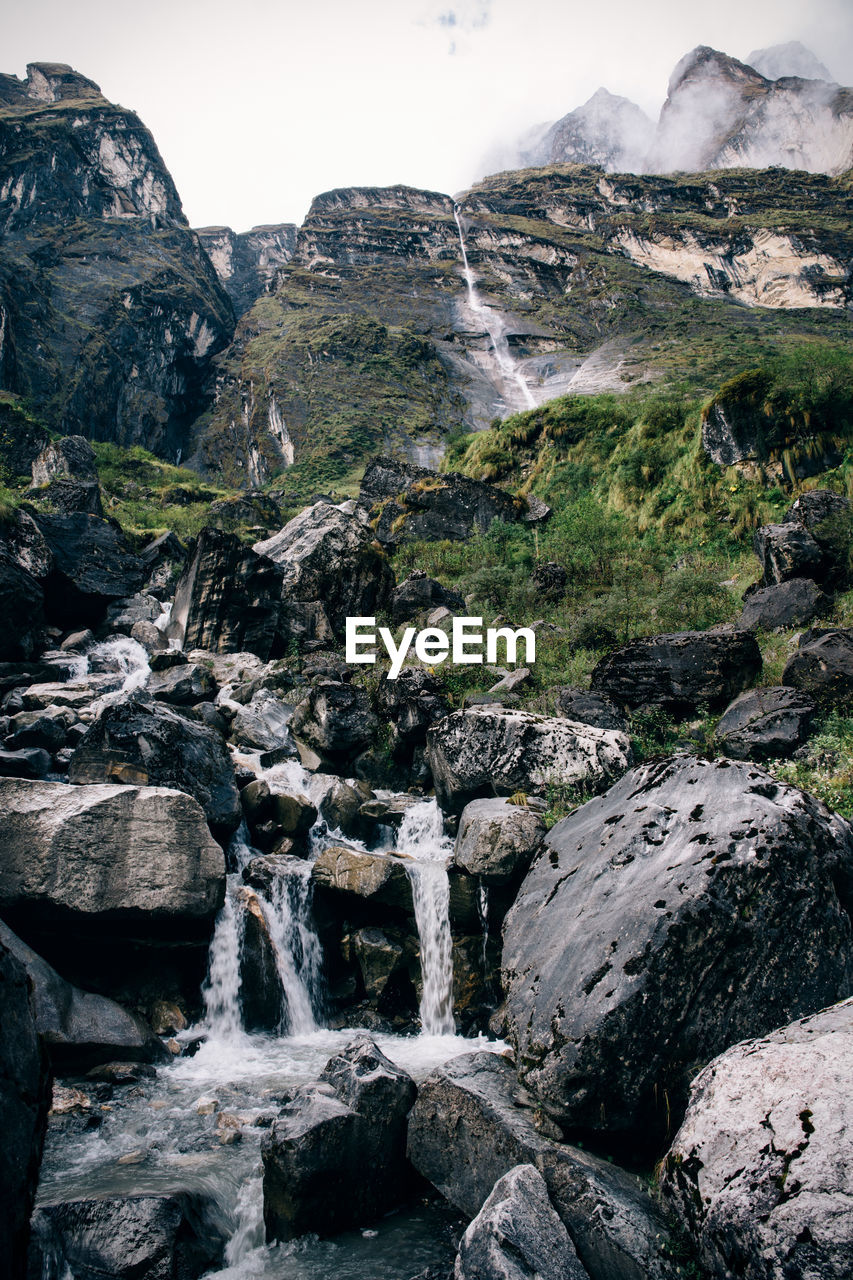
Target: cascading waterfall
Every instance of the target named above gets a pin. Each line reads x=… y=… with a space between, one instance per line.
x=493 y=324
x=483 y=909
x=124 y=655
x=422 y=839
x=297 y=948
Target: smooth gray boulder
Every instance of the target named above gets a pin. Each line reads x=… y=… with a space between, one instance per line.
x=108 y=854
x=823 y=667
x=760 y=1172
x=496 y=839
x=661 y=923
x=517 y=1235
x=765 y=724
x=80 y=1030
x=330 y=555
x=794 y=603
x=680 y=672
x=489 y=750
x=335 y=1156
x=466 y=1132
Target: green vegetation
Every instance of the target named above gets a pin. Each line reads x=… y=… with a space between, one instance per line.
x=827 y=769
x=148 y=496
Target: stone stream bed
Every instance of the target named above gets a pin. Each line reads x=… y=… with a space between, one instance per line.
x=165 y=1135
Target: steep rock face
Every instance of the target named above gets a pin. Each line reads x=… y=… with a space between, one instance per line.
x=661 y=923
x=759 y=1172
x=109 y=307
x=407 y=503
x=723 y=114
x=607 y=131
x=247 y=263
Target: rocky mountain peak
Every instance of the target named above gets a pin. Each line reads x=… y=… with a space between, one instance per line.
x=607 y=130
x=706 y=64
x=791 y=59
x=46 y=82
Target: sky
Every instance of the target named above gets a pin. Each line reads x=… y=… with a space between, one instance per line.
x=258 y=105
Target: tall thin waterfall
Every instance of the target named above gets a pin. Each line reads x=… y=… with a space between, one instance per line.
x=421 y=838
x=493 y=324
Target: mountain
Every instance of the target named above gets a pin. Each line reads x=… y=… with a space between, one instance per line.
x=589 y=282
x=782 y=107
x=246 y=263
x=110 y=309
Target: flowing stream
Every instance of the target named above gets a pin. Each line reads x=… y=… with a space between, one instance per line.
x=171 y=1131
x=494 y=325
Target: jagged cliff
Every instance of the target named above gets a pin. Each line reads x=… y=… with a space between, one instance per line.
x=247 y=262
x=780 y=108
x=109 y=308
x=369 y=340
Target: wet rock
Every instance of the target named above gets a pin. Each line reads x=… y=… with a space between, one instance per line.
x=24 y=1101
x=28 y=762
x=123 y=1073
x=227 y=598
x=335 y=1157
x=496 y=839
x=79 y=1029
x=765 y=724
x=662 y=922
x=759 y=1173
x=77 y=641
x=92 y=565
x=263 y=723
x=487 y=750
x=167 y=1018
x=335 y=722
x=517 y=1234
x=411 y=703
x=787 y=551
x=793 y=603
x=148 y=743
x=418 y=593
x=377 y=957
x=293 y=815
x=144 y=1237
x=162 y=562
x=150 y=637
x=270 y=869
x=409 y=503
x=375 y=877
x=122 y=615
x=182 y=686
x=22 y=603
x=465 y=1133
x=104 y=856
x=329 y=555
x=341 y=808
x=261 y=996
x=591 y=708
x=823 y=667
x=681 y=672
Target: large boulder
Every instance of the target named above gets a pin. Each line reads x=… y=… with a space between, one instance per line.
x=411 y=703
x=418 y=594
x=153 y=1236
x=823 y=667
x=378 y=878
x=497 y=840
x=336 y=723
x=517 y=1235
x=694 y=904
x=794 y=603
x=680 y=672
x=108 y=858
x=409 y=503
x=24 y=542
x=227 y=598
x=488 y=750
x=466 y=1132
x=330 y=555
x=80 y=1029
x=335 y=1156
x=92 y=565
x=263 y=722
x=24 y=1100
x=591 y=708
x=765 y=724
x=70 y=458
x=141 y=741
x=829 y=519
x=787 y=551
x=760 y=1173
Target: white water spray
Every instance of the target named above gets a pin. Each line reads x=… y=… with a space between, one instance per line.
x=422 y=839
x=297 y=948
x=494 y=325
